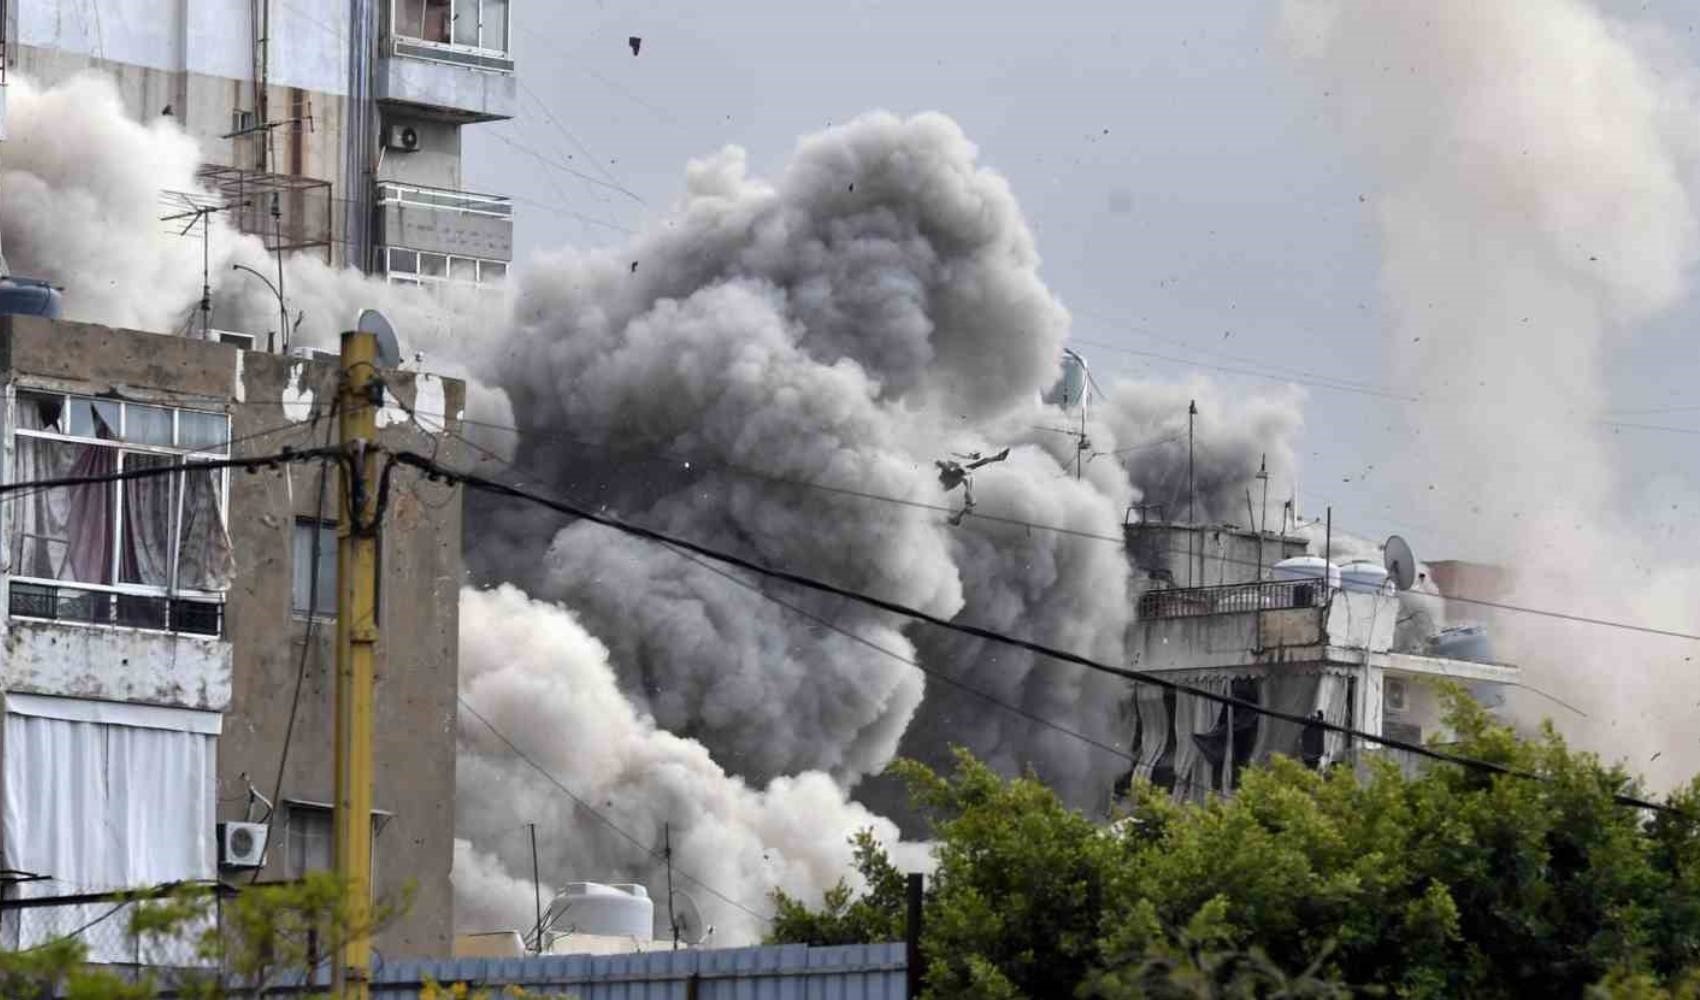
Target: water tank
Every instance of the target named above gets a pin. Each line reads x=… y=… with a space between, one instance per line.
x=28 y=297
x=1462 y=642
x=1364 y=576
x=608 y=910
x=1307 y=568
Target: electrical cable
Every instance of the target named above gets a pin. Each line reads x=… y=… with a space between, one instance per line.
x=981 y=515
x=487 y=485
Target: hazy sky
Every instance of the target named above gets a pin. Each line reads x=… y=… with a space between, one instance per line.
x=1187 y=194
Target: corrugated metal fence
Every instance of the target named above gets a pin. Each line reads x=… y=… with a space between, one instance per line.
x=772 y=972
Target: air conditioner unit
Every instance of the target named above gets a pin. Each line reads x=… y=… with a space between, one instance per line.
x=402 y=138
x=242 y=845
x=1393 y=695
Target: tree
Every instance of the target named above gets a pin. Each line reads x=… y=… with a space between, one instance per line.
x=1453 y=883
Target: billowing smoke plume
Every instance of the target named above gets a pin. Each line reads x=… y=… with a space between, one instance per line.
x=1536 y=163
x=822 y=372
x=532 y=671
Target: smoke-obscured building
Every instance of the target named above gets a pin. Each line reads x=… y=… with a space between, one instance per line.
x=156 y=630
x=1262 y=616
x=330 y=127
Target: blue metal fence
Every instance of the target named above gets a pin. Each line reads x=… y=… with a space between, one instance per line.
x=770 y=972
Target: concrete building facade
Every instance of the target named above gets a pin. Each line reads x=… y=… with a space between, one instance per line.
x=347 y=112
x=160 y=633
x=1217 y=611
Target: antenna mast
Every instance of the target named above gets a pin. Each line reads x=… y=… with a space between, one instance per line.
x=1191 y=492
x=1263 y=525
x=667 y=853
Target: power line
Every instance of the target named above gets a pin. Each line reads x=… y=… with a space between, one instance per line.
x=1120 y=540
x=610 y=824
x=892 y=607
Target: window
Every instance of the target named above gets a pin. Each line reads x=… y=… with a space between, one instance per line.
x=307 y=837
x=435 y=270
x=465 y=24
x=315 y=598
x=310 y=838
x=150 y=552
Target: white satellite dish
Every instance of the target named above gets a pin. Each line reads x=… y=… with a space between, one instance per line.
x=1400 y=561
x=389 y=349
x=688 y=927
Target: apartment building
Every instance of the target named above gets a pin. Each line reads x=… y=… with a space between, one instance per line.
x=330 y=127
x=160 y=634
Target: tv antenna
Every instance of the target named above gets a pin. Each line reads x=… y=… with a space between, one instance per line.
x=202 y=214
x=1401 y=563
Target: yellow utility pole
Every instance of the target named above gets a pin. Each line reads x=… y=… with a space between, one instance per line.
x=356 y=641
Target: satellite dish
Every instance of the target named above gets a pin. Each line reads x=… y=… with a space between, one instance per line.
x=1401 y=563
x=389 y=349
x=688 y=926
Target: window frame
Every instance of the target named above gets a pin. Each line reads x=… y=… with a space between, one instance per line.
x=122 y=448
x=330 y=556
x=419 y=278
x=457 y=9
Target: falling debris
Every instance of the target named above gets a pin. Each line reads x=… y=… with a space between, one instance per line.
x=636 y=43
x=634 y=267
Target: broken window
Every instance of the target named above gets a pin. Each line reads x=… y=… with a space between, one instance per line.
x=135 y=544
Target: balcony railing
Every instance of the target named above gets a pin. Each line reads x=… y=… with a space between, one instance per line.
x=1237 y=598
x=495 y=206
x=89 y=605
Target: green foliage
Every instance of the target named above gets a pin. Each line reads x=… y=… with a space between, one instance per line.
x=1454 y=883
x=246 y=944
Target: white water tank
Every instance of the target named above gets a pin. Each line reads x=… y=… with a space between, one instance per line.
x=1364 y=576
x=1307 y=568
x=608 y=910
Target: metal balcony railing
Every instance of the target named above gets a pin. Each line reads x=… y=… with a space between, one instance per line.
x=1233 y=599
x=90 y=605
x=495 y=206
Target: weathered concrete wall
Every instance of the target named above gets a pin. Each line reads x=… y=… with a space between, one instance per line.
x=1205 y=556
x=275 y=402
x=116 y=664
x=1289 y=635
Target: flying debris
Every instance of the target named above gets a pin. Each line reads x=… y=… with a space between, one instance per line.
x=953 y=474
x=636 y=43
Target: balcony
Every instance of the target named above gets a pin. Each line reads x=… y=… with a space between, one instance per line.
x=459 y=224
x=91 y=605
x=450 y=58
x=1236 y=598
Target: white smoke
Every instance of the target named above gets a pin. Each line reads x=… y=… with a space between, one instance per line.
x=1536 y=163
x=535 y=673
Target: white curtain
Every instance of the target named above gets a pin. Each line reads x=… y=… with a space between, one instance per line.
x=205 y=560
x=1294 y=694
x=1154 y=729
x=1333 y=700
x=1195 y=716
x=150 y=506
x=99 y=805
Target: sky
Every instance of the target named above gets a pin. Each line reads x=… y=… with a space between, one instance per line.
x=1194 y=208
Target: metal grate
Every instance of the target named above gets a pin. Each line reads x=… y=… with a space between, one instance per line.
x=1237 y=598
x=153 y=612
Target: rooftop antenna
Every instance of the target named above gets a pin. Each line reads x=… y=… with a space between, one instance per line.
x=1191 y=491
x=1400 y=561
x=686 y=918
x=1263 y=523
x=667 y=854
x=203 y=214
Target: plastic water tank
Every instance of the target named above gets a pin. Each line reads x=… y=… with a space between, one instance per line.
x=28 y=297
x=1363 y=576
x=1462 y=642
x=609 y=910
x=1307 y=568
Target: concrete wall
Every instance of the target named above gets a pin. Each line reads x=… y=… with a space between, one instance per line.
x=272 y=401
x=436 y=163
x=208 y=37
x=1216 y=554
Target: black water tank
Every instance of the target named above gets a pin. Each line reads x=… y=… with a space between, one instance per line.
x=28 y=297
